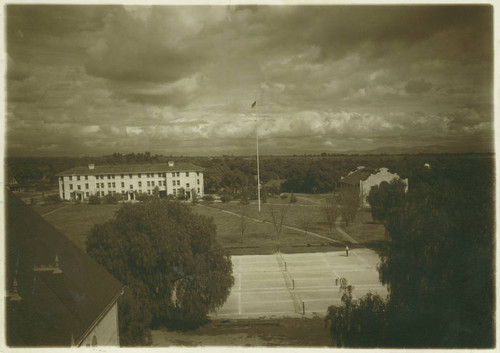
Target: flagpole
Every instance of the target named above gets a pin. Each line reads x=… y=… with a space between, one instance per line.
x=257 y=138
x=258 y=172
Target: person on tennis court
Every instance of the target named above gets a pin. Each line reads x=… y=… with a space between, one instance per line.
x=346 y=250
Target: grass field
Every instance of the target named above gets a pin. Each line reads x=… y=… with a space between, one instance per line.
x=259 y=237
x=290 y=332
x=364 y=229
x=77 y=220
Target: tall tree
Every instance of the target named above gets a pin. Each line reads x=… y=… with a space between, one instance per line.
x=330 y=210
x=171 y=258
x=349 y=204
x=386 y=198
x=278 y=215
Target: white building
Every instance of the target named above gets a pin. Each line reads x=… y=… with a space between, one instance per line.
x=381 y=175
x=130 y=179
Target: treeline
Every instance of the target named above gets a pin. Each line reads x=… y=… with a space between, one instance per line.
x=437 y=265
x=234 y=175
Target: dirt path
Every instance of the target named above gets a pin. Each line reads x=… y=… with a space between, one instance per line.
x=57 y=209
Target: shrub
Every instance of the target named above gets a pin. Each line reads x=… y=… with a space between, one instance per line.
x=208 y=198
x=293 y=199
x=226 y=198
x=111 y=199
x=52 y=199
x=94 y=200
x=283 y=196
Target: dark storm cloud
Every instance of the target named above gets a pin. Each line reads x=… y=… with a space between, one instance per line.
x=95 y=79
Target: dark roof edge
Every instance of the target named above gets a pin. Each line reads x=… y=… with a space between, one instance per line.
x=101 y=316
x=192 y=168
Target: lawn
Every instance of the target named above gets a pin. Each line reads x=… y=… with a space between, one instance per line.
x=77 y=220
x=259 y=237
x=364 y=229
x=291 y=332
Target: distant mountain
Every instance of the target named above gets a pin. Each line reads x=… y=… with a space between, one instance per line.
x=411 y=150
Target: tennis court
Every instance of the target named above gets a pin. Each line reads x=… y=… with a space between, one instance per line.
x=283 y=285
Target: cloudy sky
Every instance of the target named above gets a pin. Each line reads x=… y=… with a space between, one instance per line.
x=93 y=80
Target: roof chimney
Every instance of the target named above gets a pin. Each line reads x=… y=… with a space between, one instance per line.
x=91 y=166
x=170 y=163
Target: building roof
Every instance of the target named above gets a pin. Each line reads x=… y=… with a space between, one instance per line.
x=55 y=308
x=132 y=169
x=355 y=177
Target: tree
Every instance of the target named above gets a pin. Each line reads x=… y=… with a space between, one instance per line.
x=243 y=219
x=438 y=264
x=349 y=203
x=357 y=323
x=330 y=210
x=305 y=224
x=278 y=215
x=386 y=198
x=165 y=252
x=194 y=196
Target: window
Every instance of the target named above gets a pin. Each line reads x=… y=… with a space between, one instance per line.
x=123 y=184
x=178 y=174
x=109 y=185
x=114 y=185
x=109 y=176
x=164 y=183
x=197 y=173
x=173 y=182
x=187 y=174
x=78 y=177
x=149 y=191
x=123 y=192
x=139 y=175
x=175 y=192
x=178 y=182
x=173 y=176
x=113 y=176
x=149 y=183
x=87 y=194
x=97 y=185
x=140 y=183
x=122 y=176
x=187 y=185
x=79 y=187
x=153 y=183
x=102 y=185
x=86 y=186
x=198 y=181
x=70 y=177
x=130 y=176
x=102 y=193
x=71 y=186
x=86 y=177
x=198 y=190
x=131 y=186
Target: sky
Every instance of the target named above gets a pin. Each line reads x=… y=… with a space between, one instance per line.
x=180 y=80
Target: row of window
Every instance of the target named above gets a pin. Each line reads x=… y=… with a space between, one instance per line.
x=148 y=175
x=112 y=192
x=149 y=183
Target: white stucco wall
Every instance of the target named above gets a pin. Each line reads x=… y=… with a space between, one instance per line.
x=106 y=331
x=383 y=174
x=123 y=183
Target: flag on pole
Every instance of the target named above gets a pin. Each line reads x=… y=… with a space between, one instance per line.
x=254 y=103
